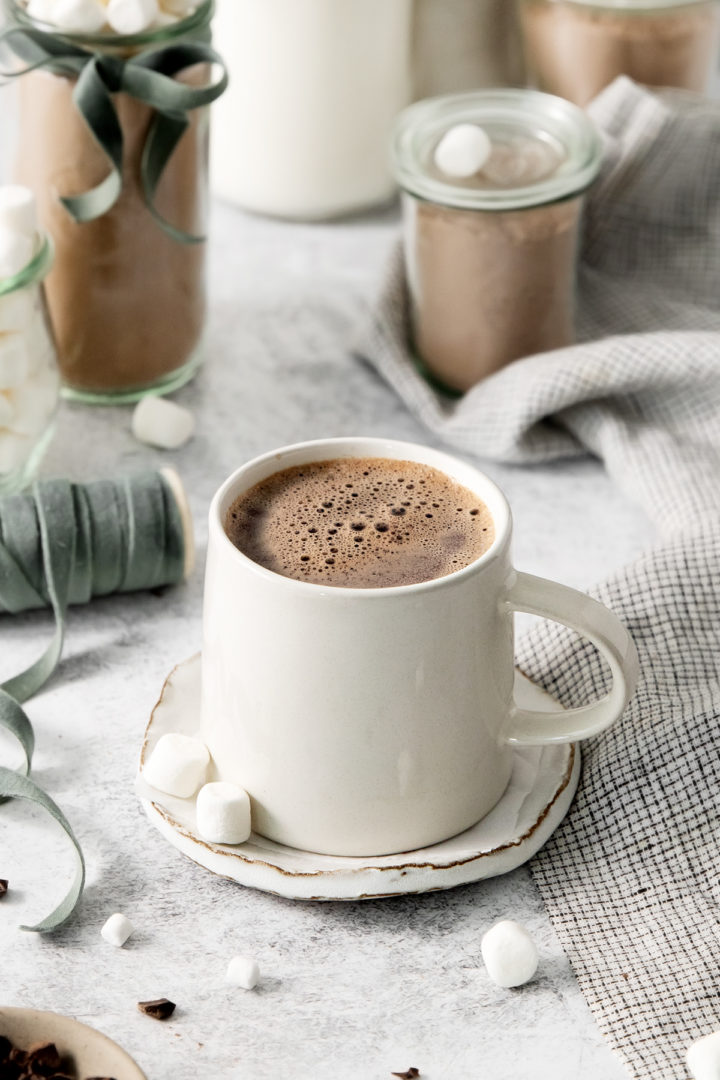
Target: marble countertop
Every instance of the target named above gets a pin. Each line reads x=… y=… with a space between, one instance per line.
x=350 y=989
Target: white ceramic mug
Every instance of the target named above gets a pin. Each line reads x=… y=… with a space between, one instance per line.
x=371 y=721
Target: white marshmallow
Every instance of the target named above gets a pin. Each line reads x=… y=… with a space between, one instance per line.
x=178 y=765
x=509 y=953
x=34 y=401
x=703 y=1057
x=14 y=360
x=117 y=930
x=79 y=16
x=223 y=813
x=18 y=211
x=162 y=423
x=131 y=16
x=17 y=310
x=16 y=251
x=14 y=451
x=243 y=971
x=462 y=151
x=6 y=410
x=179 y=8
x=42 y=10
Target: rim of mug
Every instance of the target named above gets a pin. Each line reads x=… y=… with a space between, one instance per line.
x=358 y=446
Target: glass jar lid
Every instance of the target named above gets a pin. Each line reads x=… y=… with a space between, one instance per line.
x=543 y=149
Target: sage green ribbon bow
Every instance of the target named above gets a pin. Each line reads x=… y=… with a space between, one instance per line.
x=149 y=77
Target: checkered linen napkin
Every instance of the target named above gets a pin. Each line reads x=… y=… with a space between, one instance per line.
x=632 y=878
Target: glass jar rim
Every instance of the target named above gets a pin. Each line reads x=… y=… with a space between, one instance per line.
x=420 y=127
x=34 y=271
x=630 y=7
x=196 y=20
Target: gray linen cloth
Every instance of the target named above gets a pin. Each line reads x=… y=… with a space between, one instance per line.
x=631 y=880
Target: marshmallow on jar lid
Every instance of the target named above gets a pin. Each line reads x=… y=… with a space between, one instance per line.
x=131 y=16
x=178 y=765
x=703 y=1058
x=79 y=16
x=16 y=251
x=222 y=813
x=509 y=953
x=462 y=151
x=18 y=210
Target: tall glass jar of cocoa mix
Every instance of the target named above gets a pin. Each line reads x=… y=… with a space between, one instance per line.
x=493 y=185
x=113 y=140
x=577 y=47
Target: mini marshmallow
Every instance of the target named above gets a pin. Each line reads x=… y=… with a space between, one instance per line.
x=703 y=1057
x=14 y=451
x=509 y=953
x=162 y=423
x=16 y=251
x=117 y=930
x=17 y=310
x=41 y=10
x=131 y=16
x=462 y=151
x=14 y=360
x=243 y=971
x=178 y=765
x=18 y=211
x=79 y=16
x=34 y=402
x=223 y=813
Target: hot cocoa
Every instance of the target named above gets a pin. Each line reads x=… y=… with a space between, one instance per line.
x=364 y=523
x=574 y=49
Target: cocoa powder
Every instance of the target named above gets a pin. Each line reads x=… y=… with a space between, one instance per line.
x=490 y=286
x=127 y=301
x=574 y=50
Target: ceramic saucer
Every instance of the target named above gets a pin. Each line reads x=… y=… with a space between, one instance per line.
x=537 y=798
x=91 y=1053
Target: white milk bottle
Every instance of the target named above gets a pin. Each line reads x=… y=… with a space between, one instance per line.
x=315 y=86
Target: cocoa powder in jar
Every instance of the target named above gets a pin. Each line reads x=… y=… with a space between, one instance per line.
x=574 y=50
x=127 y=301
x=488 y=287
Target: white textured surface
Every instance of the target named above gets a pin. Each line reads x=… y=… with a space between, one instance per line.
x=351 y=989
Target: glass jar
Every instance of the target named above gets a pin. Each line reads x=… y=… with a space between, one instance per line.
x=315 y=86
x=491 y=259
x=575 y=48
x=29 y=379
x=126 y=295
x=464 y=45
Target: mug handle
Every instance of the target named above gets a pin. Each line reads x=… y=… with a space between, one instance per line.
x=537 y=596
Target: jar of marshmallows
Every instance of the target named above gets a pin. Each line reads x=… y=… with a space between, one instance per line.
x=577 y=47
x=29 y=380
x=493 y=185
x=113 y=140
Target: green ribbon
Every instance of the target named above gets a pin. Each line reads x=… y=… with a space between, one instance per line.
x=63 y=544
x=149 y=77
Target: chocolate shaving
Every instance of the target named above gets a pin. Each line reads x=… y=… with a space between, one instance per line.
x=410 y=1074
x=3 y=886
x=41 y=1062
x=160 y=1009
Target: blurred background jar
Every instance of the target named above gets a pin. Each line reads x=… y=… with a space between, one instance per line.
x=464 y=45
x=491 y=244
x=127 y=294
x=575 y=48
x=29 y=379
x=315 y=86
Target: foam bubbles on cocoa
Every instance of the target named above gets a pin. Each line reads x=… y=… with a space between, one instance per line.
x=364 y=523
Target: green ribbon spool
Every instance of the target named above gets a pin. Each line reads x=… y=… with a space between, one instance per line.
x=63 y=544
x=148 y=76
